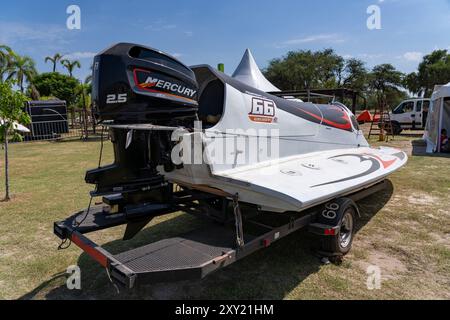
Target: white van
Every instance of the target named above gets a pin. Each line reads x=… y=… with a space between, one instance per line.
x=410 y=114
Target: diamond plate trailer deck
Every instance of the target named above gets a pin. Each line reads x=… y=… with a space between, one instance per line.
x=192 y=255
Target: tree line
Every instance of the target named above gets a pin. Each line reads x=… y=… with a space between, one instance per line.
x=22 y=72
x=383 y=84
x=297 y=70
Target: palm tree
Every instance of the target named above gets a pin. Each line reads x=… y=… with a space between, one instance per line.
x=22 y=68
x=55 y=59
x=70 y=65
x=84 y=102
x=88 y=79
x=5 y=60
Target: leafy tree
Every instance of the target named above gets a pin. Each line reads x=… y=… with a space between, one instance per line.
x=290 y=73
x=385 y=81
x=54 y=60
x=434 y=69
x=412 y=83
x=70 y=65
x=33 y=93
x=84 y=103
x=355 y=75
x=321 y=69
x=57 y=85
x=83 y=94
x=11 y=111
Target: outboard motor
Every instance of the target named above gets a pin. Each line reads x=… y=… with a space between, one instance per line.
x=135 y=85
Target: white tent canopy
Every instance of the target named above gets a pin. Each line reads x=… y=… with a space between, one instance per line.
x=16 y=126
x=438 y=117
x=249 y=73
x=441 y=92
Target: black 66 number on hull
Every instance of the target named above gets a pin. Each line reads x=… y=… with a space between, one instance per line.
x=330 y=211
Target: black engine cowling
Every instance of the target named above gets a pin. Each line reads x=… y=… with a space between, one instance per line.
x=136 y=84
x=133 y=84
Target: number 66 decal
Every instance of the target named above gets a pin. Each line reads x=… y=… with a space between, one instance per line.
x=330 y=210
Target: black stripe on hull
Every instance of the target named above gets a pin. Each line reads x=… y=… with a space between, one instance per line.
x=327 y=115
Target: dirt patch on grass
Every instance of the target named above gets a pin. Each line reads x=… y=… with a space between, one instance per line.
x=391 y=267
x=422 y=199
x=445 y=212
x=441 y=239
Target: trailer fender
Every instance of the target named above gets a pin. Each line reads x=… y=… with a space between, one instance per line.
x=331 y=218
x=332 y=212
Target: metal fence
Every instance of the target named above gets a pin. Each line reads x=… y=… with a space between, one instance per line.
x=53 y=125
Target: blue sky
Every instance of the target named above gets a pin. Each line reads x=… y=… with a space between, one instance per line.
x=200 y=31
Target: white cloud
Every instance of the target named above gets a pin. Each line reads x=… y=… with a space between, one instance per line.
x=160 y=27
x=413 y=56
x=371 y=56
x=189 y=33
x=12 y=33
x=325 y=38
x=80 y=55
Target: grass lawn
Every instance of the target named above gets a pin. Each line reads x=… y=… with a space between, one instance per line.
x=404 y=230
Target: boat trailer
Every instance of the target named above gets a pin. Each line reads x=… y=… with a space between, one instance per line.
x=228 y=236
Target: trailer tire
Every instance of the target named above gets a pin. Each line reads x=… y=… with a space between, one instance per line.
x=344 y=216
x=396 y=128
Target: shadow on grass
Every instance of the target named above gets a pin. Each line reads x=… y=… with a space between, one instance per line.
x=419 y=148
x=43 y=286
x=95 y=139
x=411 y=134
x=271 y=273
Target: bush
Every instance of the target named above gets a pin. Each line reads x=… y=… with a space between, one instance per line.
x=57 y=85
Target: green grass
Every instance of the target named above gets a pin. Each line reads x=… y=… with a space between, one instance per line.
x=406 y=231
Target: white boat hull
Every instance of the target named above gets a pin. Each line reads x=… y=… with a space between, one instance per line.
x=320 y=152
x=299 y=182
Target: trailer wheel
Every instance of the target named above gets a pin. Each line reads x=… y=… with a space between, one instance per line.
x=343 y=213
x=396 y=128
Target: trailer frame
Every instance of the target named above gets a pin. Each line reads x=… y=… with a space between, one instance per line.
x=195 y=254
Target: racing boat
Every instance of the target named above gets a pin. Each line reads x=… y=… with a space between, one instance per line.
x=203 y=130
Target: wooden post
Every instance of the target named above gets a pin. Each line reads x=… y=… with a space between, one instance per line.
x=381 y=137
